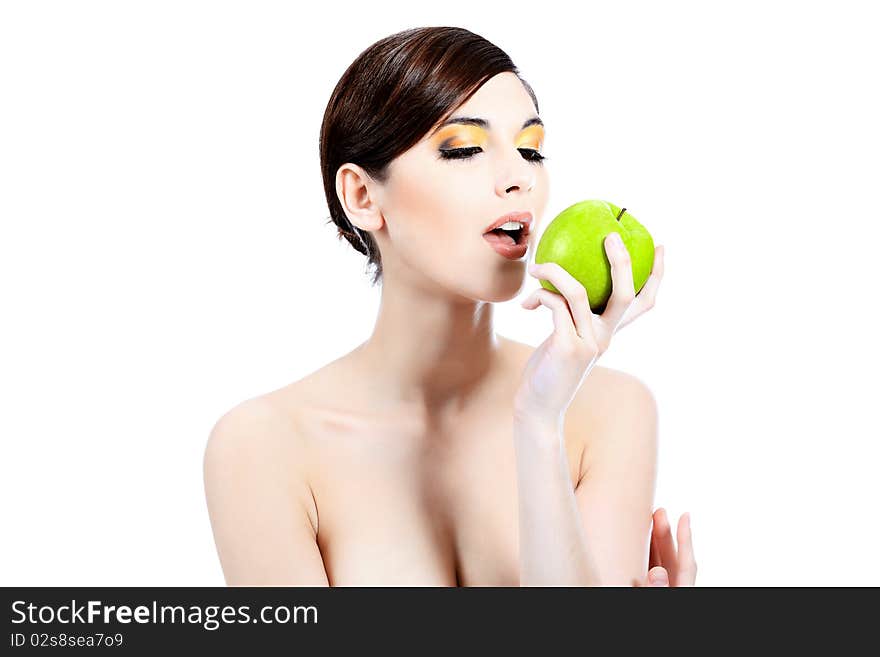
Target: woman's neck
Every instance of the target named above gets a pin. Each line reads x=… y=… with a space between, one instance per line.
x=428 y=351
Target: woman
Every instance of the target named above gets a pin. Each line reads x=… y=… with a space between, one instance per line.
x=438 y=452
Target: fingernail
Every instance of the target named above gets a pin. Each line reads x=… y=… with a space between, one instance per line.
x=658 y=580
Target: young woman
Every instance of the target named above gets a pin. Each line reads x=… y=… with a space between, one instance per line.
x=438 y=452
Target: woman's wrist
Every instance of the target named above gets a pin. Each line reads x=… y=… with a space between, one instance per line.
x=537 y=430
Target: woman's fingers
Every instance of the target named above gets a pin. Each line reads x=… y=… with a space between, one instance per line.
x=654 y=556
x=658 y=577
x=555 y=302
x=678 y=565
x=687 y=564
x=622 y=291
x=665 y=544
x=573 y=292
x=648 y=294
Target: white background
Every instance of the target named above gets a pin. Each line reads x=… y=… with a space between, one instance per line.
x=164 y=256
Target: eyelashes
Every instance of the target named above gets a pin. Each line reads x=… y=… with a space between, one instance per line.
x=529 y=154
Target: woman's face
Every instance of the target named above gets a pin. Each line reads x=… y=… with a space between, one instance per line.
x=436 y=210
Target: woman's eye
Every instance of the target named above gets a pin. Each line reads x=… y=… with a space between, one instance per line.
x=529 y=154
x=459 y=153
x=532 y=155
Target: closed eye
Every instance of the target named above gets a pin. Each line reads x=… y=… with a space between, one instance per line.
x=529 y=154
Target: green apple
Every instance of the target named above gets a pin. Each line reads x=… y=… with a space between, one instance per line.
x=575 y=240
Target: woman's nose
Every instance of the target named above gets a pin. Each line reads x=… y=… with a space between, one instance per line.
x=518 y=176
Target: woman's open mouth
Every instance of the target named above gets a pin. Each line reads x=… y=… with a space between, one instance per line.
x=510 y=243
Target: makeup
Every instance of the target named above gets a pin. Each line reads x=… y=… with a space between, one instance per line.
x=468 y=137
x=460 y=136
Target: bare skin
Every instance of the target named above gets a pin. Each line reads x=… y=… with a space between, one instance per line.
x=396 y=464
x=381 y=497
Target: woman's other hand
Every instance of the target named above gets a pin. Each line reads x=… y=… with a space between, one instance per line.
x=666 y=565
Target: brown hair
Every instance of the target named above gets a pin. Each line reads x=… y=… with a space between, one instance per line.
x=390 y=97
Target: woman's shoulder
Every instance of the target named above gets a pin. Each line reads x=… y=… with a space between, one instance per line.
x=271 y=421
x=285 y=414
x=252 y=428
x=255 y=469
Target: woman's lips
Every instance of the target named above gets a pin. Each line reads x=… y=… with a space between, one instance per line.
x=503 y=246
x=522 y=216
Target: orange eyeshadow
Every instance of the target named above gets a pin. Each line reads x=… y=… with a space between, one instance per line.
x=531 y=137
x=459 y=136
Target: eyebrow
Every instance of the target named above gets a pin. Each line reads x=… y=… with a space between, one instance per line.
x=482 y=123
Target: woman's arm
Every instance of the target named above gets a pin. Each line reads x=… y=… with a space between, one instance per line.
x=553 y=547
x=557 y=546
x=258 y=500
x=596 y=534
x=615 y=494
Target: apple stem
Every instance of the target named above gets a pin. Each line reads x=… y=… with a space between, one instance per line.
x=621 y=214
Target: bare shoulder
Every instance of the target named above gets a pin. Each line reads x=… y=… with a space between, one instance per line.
x=268 y=438
x=258 y=442
x=255 y=423
x=278 y=418
x=606 y=389
x=259 y=500
x=619 y=413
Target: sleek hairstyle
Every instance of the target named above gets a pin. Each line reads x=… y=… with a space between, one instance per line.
x=390 y=97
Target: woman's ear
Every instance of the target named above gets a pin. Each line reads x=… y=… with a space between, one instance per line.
x=359 y=196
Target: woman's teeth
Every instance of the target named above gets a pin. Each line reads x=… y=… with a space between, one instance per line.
x=511 y=225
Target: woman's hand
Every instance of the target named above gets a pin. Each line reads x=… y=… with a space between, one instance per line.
x=556 y=369
x=666 y=565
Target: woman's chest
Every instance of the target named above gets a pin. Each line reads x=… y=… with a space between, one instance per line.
x=411 y=509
